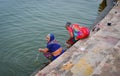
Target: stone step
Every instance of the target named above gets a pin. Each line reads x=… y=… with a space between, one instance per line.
x=110 y=66
x=83 y=57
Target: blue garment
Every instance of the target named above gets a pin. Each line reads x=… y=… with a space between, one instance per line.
x=52 y=37
x=53 y=45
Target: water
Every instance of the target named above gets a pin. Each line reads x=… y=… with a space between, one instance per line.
x=24 y=24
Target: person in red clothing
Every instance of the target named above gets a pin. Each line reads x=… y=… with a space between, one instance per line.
x=76 y=33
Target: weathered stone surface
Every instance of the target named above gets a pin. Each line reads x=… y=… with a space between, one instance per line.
x=110 y=66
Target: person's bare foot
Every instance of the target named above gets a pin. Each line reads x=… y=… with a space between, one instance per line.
x=67 y=45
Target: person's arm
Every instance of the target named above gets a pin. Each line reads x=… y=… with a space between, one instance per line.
x=70 y=32
x=43 y=50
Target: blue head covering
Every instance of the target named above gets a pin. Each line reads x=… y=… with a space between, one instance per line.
x=52 y=37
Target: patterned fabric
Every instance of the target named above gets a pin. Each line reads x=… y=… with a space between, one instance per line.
x=79 y=32
x=54 y=57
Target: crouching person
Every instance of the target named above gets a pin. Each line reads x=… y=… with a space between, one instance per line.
x=53 y=48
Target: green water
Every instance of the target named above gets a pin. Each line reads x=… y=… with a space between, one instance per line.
x=24 y=24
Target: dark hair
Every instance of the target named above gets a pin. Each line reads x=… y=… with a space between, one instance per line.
x=68 y=23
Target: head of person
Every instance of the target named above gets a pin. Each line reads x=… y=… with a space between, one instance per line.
x=50 y=37
x=67 y=24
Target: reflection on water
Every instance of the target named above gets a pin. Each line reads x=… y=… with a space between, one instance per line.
x=102 y=5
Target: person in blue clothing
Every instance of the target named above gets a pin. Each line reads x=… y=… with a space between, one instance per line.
x=53 y=48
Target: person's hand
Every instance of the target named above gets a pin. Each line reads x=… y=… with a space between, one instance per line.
x=67 y=45
x=67 y=41
x=40 y=50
